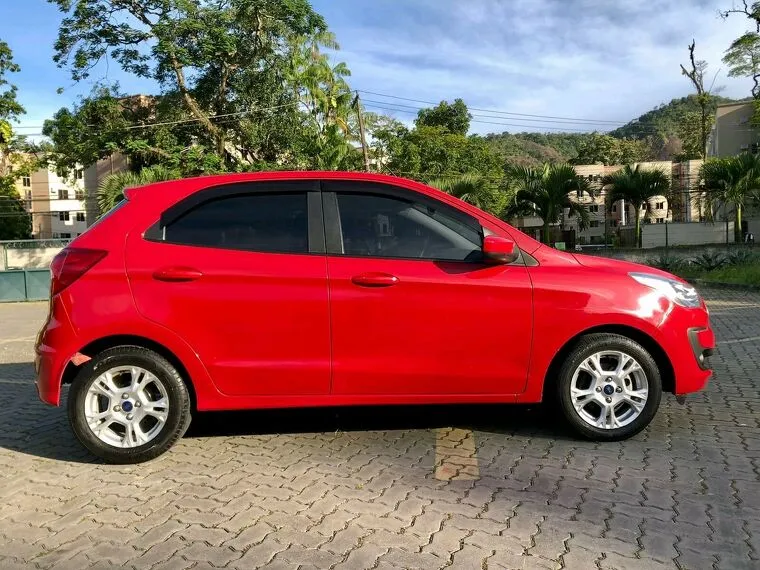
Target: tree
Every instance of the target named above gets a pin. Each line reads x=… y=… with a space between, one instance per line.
x=214 y=60
x=425 y=153
x=455 y=117
x=15 y=222
x=474 y=189
x=545 y=192
x=743 y=59
x=638 y=186
x=111 y=189
x=732 y=180
x=696 y=74
x=606 y=149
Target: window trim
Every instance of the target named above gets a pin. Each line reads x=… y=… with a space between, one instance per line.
x=314 y=216
x=332 y=221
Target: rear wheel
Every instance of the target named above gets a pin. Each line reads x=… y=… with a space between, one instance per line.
x=128 y=405
x=609 y=387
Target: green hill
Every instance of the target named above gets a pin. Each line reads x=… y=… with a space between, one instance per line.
x=659 y=127
x=664 y=119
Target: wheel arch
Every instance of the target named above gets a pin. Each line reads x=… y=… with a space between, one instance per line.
x=104 y=343
x=664 y=364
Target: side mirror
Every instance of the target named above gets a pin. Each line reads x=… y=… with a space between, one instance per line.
x=499 y=250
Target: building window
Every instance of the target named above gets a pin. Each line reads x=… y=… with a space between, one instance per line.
x=614 y=208
x=613 y=223
x=659 y=206
x=26 y=181
x=79 y=174
x=63 y=216
x=660 y=220
x=28 y=194
x=79 y=194
x=56 y=235
x=63 y=194
x=593 y=224
x=594 y=208
x=80 y=216
x=65 y=235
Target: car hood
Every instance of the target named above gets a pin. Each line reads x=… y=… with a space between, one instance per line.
x=619 y=266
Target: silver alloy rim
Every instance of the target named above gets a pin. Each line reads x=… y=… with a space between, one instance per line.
x=609 y=389
x=126 y=406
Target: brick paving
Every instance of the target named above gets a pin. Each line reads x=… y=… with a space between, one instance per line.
x=461 y=487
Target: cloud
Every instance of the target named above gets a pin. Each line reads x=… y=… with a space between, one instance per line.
x=576 y=58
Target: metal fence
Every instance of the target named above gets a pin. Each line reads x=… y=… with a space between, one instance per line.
x=29 y=253
x=24 y=285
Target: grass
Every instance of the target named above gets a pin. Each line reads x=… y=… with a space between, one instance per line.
x=745 y=274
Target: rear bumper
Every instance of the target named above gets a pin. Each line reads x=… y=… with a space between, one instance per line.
x=55 y=345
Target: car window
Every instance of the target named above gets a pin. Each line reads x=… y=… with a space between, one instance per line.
x=382 y=226
x=254 y=222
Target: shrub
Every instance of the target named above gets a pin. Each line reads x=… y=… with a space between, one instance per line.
x=666 y=262
x=709 y=261
x=740 y=257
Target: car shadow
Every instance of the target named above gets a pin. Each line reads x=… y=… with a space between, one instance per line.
x=28 y=426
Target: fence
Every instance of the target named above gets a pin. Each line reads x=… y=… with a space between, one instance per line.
x=24 y=268
x=30 y=253
x=686 y=233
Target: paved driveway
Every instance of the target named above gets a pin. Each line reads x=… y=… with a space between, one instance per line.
x=468 y=487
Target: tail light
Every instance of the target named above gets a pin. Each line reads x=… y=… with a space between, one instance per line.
x=70 y=264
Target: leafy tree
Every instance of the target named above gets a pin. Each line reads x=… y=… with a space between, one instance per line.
x=743 y=59
x=15 y=222
x=732 y=180
x=426 y=153
x=111 y=189
x=610 y=150
x=224 y=65
x=638 y=186
x=474 y=189
x=545 y=192
x=454 y=117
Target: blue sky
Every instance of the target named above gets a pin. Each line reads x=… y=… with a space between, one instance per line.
x=600 y=59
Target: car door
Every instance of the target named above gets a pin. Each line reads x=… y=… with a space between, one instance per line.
x=414 y=308
x=239 y=272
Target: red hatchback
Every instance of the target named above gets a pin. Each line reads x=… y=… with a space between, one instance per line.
x=328 y=288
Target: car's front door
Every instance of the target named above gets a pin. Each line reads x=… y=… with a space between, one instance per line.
x=239 y=272
x=414 y=308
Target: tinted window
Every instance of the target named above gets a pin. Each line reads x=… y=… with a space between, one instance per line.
x=256 y=222
x=380 y=226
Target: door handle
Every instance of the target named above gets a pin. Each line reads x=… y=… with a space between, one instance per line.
x=374 y=279
x=177 y=274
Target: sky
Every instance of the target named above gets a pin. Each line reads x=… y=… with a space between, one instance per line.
x=603 y=60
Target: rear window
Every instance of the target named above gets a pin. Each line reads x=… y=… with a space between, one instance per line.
x=276 y=222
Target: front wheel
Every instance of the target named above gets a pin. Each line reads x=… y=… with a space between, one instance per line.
x=609 y=387
x=128 y=405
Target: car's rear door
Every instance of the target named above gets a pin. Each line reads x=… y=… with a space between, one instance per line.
x=414 y=308
x=239 y=272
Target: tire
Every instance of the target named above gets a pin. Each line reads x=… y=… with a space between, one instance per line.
x=631 y=412
x=159 y=405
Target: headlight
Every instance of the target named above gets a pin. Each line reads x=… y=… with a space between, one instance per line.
x=680 y=293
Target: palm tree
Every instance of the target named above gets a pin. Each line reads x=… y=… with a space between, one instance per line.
x=545 y=192
x=638 y=186
x=111 y=189
x=474 y=189
x=732 y=180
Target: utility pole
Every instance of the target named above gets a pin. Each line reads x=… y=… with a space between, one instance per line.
x=358 y=106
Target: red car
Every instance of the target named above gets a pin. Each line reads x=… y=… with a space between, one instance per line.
x=328 y=288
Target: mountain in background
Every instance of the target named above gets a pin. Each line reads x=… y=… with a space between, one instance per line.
x=660 y=127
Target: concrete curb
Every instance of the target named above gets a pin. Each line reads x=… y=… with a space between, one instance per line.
x=718 y=285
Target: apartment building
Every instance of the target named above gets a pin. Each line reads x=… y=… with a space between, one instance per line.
x=687 y=203
x=63 y=207
x=57 y=204
x=732 y=132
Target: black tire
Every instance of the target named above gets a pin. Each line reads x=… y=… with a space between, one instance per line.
x=586 y=347
x=178 y=415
